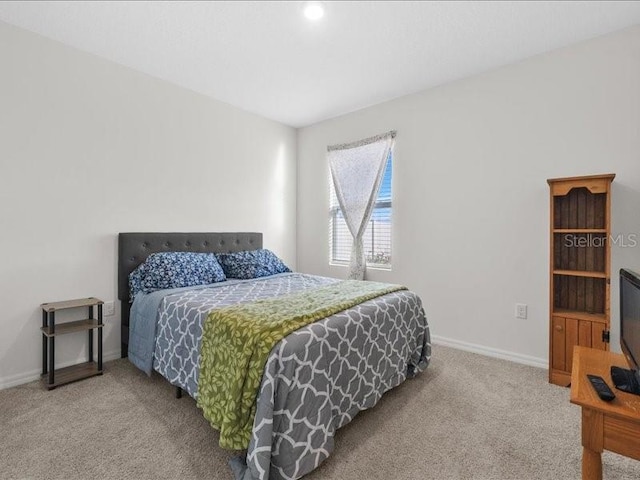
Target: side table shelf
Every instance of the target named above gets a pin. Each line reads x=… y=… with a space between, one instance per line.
x=51 y=377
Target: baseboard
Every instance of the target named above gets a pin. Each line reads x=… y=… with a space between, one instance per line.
x=21 y=378
x=27 y=377
x=491 y=352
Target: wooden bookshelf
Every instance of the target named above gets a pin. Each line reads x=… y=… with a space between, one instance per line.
x=579 y=270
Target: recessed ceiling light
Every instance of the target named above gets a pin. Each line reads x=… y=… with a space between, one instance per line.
x=314 y=11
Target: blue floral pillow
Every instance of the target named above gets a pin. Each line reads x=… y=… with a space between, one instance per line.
x=175 y=270
x=251 y=264
x=135 y=281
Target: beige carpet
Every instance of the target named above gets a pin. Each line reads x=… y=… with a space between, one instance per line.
x=466 y=417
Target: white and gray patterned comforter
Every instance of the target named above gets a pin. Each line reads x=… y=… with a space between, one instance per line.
x=316 y=379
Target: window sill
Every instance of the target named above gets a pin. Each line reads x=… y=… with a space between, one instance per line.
x=384 y=268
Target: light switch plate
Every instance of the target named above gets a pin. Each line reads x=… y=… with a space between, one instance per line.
x=521 y=310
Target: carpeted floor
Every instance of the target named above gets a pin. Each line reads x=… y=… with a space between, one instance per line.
x=466 y=417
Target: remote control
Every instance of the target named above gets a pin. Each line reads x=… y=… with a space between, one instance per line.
x=601 y=388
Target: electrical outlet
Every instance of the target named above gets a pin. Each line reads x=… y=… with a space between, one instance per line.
x=521 y=310
x=109 y=309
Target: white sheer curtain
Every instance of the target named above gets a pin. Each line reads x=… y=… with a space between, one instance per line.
x=357 y=169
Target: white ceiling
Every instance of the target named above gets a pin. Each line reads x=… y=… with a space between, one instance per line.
x=265 y=57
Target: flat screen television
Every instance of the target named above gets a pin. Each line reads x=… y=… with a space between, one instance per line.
x=623 y=379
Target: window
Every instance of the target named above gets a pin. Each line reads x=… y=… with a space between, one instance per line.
x=377 y=237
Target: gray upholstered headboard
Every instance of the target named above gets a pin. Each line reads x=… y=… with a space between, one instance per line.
x=134 y=248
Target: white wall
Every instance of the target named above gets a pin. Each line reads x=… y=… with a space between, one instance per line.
x=471 y=206
x=89 y=149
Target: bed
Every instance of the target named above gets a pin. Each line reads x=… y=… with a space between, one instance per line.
x=315 y=379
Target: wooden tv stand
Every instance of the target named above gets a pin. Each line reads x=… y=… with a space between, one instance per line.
x=614 y=425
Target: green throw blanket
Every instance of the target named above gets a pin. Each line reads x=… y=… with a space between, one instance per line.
x=237 y=340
